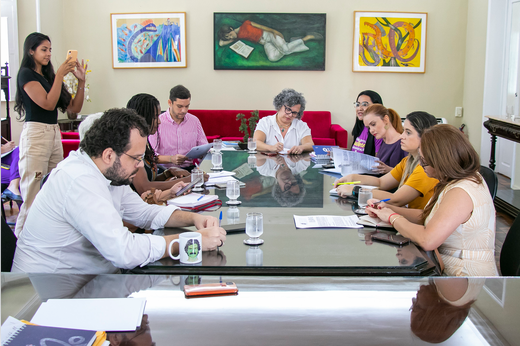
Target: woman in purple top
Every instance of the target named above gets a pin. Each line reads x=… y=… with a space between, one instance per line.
x=384 y=123
x=364 y=142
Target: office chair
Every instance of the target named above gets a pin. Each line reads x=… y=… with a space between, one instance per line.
x=491 y=180
x=510 y=254
x=8 y=246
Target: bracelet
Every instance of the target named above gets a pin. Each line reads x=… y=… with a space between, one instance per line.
x=171 y=160
x=391 y=216
x=81 y=88
x=355 y=190
x=393 y=221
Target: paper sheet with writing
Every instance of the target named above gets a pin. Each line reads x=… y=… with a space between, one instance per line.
x=355 y=163
x=326 y=221
x=242 y=48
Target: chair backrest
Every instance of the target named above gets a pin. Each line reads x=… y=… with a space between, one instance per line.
x=510 y=253
x=8 y=246
x=491 y=180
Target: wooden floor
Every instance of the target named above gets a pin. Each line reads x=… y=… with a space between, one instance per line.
x=503 y=222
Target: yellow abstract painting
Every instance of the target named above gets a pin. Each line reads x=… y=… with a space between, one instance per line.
x=389 y=42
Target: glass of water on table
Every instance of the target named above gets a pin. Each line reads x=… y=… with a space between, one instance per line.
x=363 y=196
x=254 y=228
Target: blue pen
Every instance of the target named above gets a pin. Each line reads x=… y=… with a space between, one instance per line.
x=198 y=199
x=383 y=200
x=220 y=219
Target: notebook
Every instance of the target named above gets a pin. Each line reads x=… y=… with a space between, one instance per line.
x=373 y=222
x=41 y=335
x=192 y=200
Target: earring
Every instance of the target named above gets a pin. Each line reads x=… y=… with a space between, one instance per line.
x=386 y=127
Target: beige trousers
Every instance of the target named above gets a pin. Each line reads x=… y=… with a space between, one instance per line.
x=40 y=151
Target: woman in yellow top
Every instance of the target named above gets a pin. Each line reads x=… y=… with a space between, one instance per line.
x=414 y=187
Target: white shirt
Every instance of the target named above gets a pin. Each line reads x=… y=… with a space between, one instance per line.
x=76 y=224
x=294 y=135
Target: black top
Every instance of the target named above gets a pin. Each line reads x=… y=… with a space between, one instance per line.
x=370 y=148
x=33 y=112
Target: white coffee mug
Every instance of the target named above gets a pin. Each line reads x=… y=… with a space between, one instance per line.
x=190 y=247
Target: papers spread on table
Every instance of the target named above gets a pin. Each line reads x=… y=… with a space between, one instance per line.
x=15 y=333
x=322 y=152
x=351 y=162
x=219 y=178
x=326 y=221
x=241 y=48
x=229 y=146
x=373 y=222
x=192 y=200
x=108 y=314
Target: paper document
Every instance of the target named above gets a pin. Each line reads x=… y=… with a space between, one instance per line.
x=192 y=200
x=326 y=221
x=373 y=222
x=351 y=162
x=10 y=327
x=241 y=48
x=113 y=314
x=218 y=180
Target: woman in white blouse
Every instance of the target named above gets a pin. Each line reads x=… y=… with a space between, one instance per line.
x=285 y=129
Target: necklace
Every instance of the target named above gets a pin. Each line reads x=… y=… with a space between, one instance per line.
x=282 y=127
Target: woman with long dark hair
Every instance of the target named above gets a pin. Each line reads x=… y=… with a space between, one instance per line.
x=40 y=93
x=364 y=142
x=151 y=175
x=460 y=218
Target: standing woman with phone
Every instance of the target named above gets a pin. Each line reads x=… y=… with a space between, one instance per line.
x=40 y=93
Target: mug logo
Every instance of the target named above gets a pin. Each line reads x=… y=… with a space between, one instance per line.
x=192 y=249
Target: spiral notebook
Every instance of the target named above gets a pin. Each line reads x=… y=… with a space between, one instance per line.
x=40 y=335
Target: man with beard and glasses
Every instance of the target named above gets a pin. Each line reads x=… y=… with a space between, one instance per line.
x=76 y=222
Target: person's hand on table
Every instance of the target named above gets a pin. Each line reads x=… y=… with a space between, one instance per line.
x=296 y=150
x=179 y=172
x=7 y=147
x=212 y=237
x=205 y=221
x=172 y=192
x=383 y=213
x=382 y=168
x=277 y=147
x=346 y=179
x=178 y=159
x=206 y=177
x=345 y=190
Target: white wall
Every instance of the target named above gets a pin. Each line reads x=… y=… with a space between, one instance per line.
x=451 y=58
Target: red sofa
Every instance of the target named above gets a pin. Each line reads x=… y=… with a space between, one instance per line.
x=223 y=124
x=70 y=142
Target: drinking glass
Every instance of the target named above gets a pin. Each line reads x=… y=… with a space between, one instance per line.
x=233 y=191
x=216 y=160
x=217 y=145
x=251 y=145
x=364 y=195
x=254 y=228
x=197 y=174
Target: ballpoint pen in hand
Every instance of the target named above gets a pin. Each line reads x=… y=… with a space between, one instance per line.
x=348 y=183
x=381 y=201
x=220 y=219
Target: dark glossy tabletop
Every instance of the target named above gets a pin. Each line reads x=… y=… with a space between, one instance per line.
x=295 y=310
x=287 y=250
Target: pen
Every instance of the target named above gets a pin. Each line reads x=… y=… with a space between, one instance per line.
x=220 y=219
x=383 y=200
x=198 y=199
x=349 y=183
x=5 y=139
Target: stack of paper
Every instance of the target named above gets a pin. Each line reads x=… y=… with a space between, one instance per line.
x=192 y=200
x=219 y=178
x=326 y=221
x=114 y=314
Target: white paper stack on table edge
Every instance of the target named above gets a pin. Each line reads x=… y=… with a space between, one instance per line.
x=219 y=178
x=107 y=314
x=192 y=200
x=326 y=221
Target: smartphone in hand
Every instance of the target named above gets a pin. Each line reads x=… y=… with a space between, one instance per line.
x=187 y=187
x=73 y=54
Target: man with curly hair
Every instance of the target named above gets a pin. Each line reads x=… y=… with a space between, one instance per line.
x=76 y=222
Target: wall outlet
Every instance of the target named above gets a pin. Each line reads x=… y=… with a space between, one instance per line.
x=458 y=112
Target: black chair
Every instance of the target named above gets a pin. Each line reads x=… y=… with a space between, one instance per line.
x=491 y=180
x=8 y=246
x=510 y=254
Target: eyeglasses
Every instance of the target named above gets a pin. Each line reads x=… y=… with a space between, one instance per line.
x=287 y=186
x=422 y=162
x=139 y=159
x=362 y=104
x=289 y=110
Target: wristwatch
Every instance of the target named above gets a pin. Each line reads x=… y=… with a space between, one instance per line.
x=355 y=191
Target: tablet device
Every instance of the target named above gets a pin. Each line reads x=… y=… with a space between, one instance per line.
x=199 y=151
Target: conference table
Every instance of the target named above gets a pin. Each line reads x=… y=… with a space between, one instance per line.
x=301 y=310
x=280 y=187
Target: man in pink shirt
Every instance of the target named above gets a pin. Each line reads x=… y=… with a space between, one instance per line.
x=178 y=131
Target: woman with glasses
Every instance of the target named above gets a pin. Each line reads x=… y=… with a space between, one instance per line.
x=364 y=142
x=151 y=175
x=414 y=187
x=460 y=218
x=285 y=130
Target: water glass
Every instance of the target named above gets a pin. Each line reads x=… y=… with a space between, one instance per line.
x=233 y=191
x=197 y=174
x=217 y=145
x=251 y=145
x=364 y=195
x=216 y=160
x=254 y=228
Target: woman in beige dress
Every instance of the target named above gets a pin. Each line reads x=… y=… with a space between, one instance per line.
x=460 y=218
